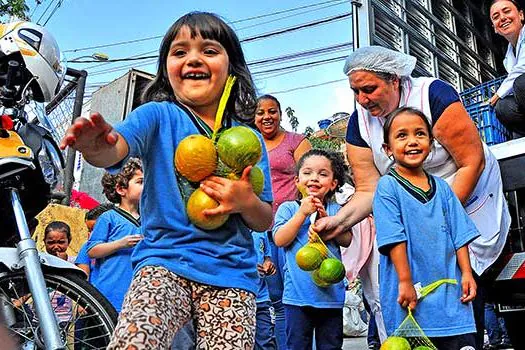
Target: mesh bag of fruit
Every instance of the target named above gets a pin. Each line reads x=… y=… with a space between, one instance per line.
x=325 y=268
x=409 y=335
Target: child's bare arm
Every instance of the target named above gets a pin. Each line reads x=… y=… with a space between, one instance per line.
x=104 y=249
x=99 y=143
x=287 y=232
x=468 y=284
x=407 y=293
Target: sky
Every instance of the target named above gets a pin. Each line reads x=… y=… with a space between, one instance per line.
x=314 y=90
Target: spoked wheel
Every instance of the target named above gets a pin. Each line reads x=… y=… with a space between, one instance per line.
x=86 y=319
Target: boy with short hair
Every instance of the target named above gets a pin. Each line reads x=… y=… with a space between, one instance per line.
x=116 y=233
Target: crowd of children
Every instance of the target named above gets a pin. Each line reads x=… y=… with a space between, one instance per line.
x=161 y=272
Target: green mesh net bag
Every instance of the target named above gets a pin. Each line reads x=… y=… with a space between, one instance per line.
x=409 y=335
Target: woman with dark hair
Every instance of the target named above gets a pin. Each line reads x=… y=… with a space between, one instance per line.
x=285 y=148
x=507 y=19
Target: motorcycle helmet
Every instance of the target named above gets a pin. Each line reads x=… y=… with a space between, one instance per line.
x=37 y=52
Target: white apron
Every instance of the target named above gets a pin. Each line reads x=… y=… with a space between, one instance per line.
x=486 y=205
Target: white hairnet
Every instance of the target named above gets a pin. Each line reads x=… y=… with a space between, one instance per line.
x=380 y=59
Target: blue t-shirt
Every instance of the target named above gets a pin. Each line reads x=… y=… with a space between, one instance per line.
x=224 y=257
x=112 y=274
x=84 y=259
x=299 y=289
x=260 y=242
x=440 y=95
x=434 y=226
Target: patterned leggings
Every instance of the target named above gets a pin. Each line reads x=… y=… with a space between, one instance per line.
x=159 y=303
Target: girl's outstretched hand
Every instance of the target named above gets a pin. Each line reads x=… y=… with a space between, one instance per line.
x=90 y=136
x=233 y=195
x=407 y=295
x=469 y=287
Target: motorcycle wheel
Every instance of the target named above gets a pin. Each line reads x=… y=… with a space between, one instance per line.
x=85 y=317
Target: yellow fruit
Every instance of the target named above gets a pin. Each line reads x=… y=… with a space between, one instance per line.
x=196 y=157
x=308 y=258
x=320 y=247
x=319 y=282
x=395 y=343
x=198 y=202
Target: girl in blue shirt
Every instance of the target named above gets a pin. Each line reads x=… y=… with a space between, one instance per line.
x=184 y=274
x=308 y=307
x=422 y=234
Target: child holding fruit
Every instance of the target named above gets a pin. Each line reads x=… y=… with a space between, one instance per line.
x=311 y=302
x=422 y=234
x=185 y=273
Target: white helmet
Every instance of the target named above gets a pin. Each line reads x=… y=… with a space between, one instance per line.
x=37 y=51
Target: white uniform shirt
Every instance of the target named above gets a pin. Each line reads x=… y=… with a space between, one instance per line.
x=514 y=65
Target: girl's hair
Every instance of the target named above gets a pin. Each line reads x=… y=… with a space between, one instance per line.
x=243 y=101
x=390 y=119
x=111 y=182
x=339 y=167
x=59 y=226
x=515 y=3
x=100 y=209
x=270 y=97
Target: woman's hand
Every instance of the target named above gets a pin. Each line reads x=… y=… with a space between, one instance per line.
x=493 y=100
x=407 y=295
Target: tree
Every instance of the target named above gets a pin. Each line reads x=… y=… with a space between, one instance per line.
x=294 y=122
x=16 y=8
x=308 y=131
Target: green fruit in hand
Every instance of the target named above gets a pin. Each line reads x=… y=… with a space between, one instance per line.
x=320 y=247
x=332 y=270
x=257 y=180
x=308 y=258
x=239 y=147
x=396 y=343
x=319 y=282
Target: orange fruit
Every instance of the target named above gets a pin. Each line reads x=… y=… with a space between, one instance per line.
x=199 y=201
x=320 y=247
x=308 y=258
x=196 y=157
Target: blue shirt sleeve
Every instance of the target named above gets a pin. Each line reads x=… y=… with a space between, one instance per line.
x=462 y=228
x=82 y=257
x=137 y=129
x=353 y=135
x=387 y=216
x=100 y=232
x=284 y=213
x=441 y=95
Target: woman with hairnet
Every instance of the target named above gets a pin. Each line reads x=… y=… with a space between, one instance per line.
x=380 y=79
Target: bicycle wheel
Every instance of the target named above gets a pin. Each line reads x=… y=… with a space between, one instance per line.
x=85 y=318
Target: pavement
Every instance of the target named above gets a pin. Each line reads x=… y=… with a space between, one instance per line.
x=355 y=344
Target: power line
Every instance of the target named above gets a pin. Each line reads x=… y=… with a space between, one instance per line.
x=306 y=87
x=160 y=36
x=43 y=13
x=53 y=12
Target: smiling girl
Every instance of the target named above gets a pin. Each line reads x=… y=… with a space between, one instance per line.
x=422 y=233
x=183 y=273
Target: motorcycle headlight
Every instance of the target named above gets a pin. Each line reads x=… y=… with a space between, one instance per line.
x=50 y=163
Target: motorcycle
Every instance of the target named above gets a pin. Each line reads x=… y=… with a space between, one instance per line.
x=45 y=302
